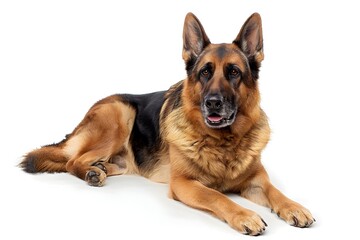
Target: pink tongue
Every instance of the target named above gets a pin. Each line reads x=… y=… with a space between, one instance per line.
x=214 y=118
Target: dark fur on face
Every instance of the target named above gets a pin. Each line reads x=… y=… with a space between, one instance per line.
x=220 y=69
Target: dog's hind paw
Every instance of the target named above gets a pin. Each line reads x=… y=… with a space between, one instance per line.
x=101 y=166
x=95 y=177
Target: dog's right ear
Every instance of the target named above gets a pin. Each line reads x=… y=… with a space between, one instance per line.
x=195 y=40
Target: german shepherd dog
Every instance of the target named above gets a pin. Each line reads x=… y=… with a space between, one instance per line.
x=203 y=136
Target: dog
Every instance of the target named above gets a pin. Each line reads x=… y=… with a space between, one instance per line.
x=203 y=136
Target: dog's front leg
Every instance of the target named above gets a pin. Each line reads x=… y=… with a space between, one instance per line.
x=196 y=195
x=289 y=210
x=260 y=190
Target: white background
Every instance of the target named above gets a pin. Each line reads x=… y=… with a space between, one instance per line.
x=59 y=57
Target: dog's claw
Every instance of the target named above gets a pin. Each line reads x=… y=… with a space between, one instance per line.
x=248 y=230
x=296 y=222
x=264 y=223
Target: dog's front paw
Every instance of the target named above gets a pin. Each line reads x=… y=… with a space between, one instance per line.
x=95 y=177
x=248 y=223
x=295 y=215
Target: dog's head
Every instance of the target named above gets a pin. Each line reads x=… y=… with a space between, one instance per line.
x=222 y=78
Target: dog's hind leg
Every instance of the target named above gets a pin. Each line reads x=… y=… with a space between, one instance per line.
x=84 y=167
x=121 y=163
x=110 y=169
x=121 y=166
x=100 y=137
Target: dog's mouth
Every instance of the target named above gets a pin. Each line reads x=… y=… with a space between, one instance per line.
x=215 y=120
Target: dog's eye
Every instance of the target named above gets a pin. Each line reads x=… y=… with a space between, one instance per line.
x=205 y=73
x=234 y=73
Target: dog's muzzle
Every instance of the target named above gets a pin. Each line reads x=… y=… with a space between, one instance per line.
x=218 y=112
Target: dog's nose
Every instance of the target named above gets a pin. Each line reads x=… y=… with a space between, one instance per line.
x=214 y=102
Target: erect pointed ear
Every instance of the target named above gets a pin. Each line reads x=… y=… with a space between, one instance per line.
x=250 y=39
x=195 y=39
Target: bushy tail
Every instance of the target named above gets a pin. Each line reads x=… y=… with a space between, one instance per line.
x=50 y=158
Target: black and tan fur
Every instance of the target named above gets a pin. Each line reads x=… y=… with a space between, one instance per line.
x=204 y=136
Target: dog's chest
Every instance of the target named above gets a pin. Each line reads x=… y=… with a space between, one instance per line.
x=219 y=161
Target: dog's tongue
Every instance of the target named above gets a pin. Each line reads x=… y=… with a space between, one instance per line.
x=214 y=118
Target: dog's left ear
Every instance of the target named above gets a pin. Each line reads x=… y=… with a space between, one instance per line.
x=195 y=40
x=250 y=39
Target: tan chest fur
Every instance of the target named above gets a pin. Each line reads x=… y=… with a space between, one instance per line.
x=217 y=162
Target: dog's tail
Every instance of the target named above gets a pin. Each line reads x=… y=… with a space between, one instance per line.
x=50 y=158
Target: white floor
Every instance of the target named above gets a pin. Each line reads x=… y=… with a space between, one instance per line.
x=57 y=59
